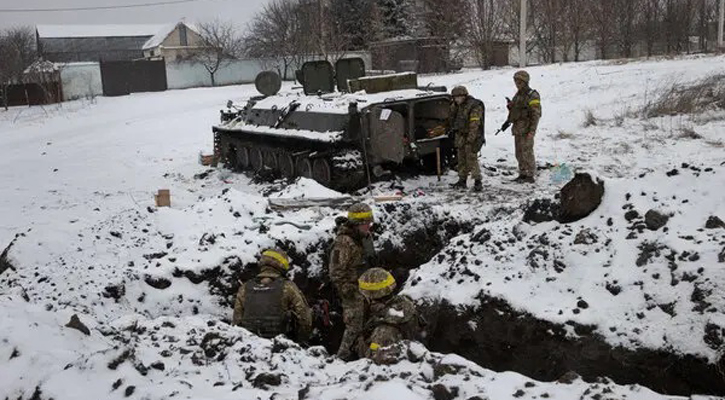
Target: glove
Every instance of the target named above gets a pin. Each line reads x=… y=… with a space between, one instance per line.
x=505 y=125
x=509 y=104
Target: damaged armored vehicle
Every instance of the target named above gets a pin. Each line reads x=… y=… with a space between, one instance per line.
x=342 y=128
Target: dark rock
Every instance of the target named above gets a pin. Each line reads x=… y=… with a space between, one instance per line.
x=713 y=222
x=582 y=304
x=117 y=384
x=568 y=378
x=673 y=172
x=655 y=220
x=519 y=393
x=714 y=336
x=631 y=215
x=542 y=210
x=75 y=323
x=5 y=263
x=441 y=392
x=129 y=391
x=585 y=236
x=302 y=393
x=157 y=282
x=580 y=197
x=265 y=379
x=158 y=365
x=117 y=235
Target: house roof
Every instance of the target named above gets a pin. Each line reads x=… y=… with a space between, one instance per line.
x=163 y=33
x=78 y=31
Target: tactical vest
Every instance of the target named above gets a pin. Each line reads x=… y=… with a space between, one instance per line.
x=462 y=118
x=263 y=311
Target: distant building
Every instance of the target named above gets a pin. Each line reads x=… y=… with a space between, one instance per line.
x=72 y=43
x=174 y=42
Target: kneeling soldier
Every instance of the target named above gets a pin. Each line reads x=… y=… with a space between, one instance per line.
x=391 y=318
x=270 y=304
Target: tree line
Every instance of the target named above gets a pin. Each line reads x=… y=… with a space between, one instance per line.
x=558 y=30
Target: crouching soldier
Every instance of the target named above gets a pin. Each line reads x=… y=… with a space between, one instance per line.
x=391 y=319
x=352 y=254
x=270 y=304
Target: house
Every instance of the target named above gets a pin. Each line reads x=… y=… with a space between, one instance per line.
x=173 y=42
x=73 y=43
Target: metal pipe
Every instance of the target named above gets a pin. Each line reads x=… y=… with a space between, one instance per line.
x=720 y=27
x=522 y=35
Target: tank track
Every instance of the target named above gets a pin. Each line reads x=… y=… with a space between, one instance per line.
x=339 y=168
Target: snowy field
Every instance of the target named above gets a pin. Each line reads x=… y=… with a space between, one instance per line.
x=78 y=183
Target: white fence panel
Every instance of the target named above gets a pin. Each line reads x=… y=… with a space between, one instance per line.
x=81 y=80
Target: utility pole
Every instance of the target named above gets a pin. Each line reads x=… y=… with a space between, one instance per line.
x=522 y=34
x=720 y=43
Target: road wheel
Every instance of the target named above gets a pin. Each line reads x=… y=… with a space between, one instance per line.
x=270 y=159
x=256 y=159
x=321 y=171
x=286 y=165
x=243 y=157
x=303 y=166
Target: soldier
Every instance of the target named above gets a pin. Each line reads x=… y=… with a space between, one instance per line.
x=466 y=120
x=352 y=253
x=391 y=318
x=524 y=114
x=270 y=304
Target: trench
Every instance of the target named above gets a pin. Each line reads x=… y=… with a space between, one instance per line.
x=492 y=334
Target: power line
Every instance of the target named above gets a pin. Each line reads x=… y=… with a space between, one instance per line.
x=158 y=3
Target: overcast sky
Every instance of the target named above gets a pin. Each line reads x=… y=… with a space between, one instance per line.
x=238 y=11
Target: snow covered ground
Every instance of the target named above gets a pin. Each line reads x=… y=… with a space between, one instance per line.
x=78 y=183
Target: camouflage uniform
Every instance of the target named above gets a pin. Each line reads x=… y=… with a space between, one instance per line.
x=524 y=114
x=293 y=304
x=352 y=253
x=392 y=320
x=466 y=120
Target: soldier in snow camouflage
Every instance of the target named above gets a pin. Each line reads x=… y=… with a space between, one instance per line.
x=524 y=114
x=466 y=120
x=270 y=304
x=352 y=253
x=391 y=319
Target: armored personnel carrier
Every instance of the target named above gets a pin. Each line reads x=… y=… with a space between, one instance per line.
x=341 y=138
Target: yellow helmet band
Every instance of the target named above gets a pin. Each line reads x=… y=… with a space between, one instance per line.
x=278 y=257
x=372 y=286
x=358 y=216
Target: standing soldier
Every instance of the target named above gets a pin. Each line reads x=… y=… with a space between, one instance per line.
x=466 y=120
x=270 y=304
x=391 y=318
x=524 y=114
x=352 y=254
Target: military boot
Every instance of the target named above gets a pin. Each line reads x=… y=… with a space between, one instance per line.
x=461 y=184
x=519 y=178
x=477 y=185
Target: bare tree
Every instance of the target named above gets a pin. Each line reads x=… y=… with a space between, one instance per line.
x=576 y=28
x=547 y=27
x=484 y=28
x=276 y=33
x=603 y=19
x=17 y=52
x=448 y=20
x=624 y=32
x=220 y=45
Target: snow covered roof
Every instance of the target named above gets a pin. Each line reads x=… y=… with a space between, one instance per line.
x=162 y=34
x=77 y=31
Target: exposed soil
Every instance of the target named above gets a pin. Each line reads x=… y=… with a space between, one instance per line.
x=506 y=340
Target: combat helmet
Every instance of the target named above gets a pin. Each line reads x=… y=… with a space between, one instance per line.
x=376 y=283
x=522 y=75
x=275 y=258
x=360 y=213
x=459 y=91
